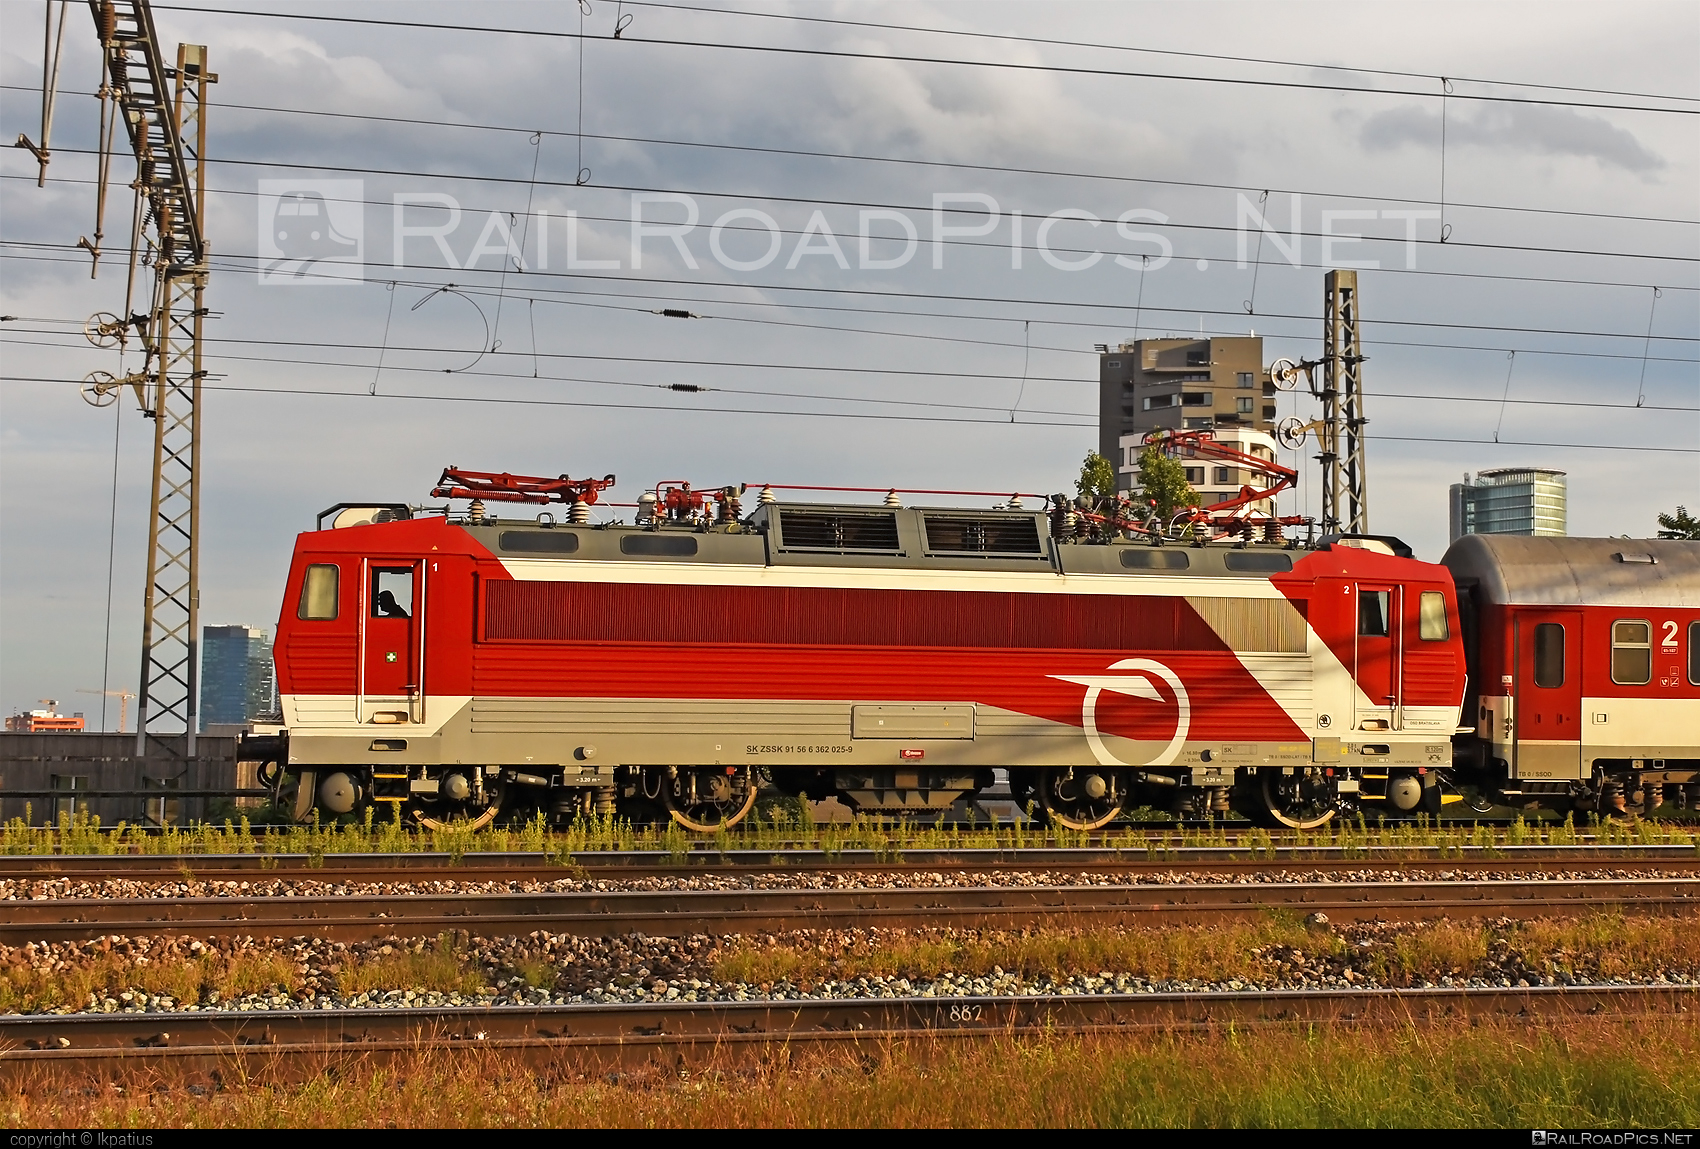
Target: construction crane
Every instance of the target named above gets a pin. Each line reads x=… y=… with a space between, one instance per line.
x=123 y=697
x=161 y=107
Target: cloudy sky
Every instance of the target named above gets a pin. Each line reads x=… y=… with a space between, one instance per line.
x=966 y=364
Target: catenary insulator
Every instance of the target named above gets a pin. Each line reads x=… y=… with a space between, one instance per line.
x=892 y=499
x=475 y=512
x=646 y=508
x=1015 y=503
x=580 y=512
x=766 y=496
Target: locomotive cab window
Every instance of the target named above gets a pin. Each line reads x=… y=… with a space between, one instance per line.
x=1549 y=654
x=1694 y=653
x=1372 y=613
x=392 y=592
x=1631 y=652
x=318 y=593
x=1431 y=617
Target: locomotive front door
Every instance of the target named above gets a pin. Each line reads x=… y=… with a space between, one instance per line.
x=1547 y=722
x=392 y=642
x=1376 y=654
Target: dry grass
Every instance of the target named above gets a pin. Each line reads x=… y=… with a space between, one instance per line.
x=1587 y=1073
x=436 y=967
x=184 y=979
x=1274 y=949
x=774 y=829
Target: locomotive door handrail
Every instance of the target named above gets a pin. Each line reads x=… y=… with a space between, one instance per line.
x=360 y=653
x=416 y=696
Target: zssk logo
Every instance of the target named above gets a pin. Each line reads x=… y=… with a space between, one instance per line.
x=1136 y=686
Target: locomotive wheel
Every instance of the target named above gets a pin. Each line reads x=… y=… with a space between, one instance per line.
x=1084 y=800
x=709 y=799
x=1297 y=801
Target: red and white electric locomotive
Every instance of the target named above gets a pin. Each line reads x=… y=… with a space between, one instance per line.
x=459 y=665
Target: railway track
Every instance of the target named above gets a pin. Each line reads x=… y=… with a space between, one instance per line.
x=666 y=913
x=603 y=1036
x=1119 y=860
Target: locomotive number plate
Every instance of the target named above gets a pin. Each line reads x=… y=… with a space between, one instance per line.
x=774 y=748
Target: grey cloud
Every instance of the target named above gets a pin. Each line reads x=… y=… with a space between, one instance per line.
x=1516 y=127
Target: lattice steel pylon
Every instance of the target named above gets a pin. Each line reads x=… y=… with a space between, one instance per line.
x=1345 y=476
x=162 y=109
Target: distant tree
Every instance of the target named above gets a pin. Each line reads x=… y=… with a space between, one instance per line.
x=1164 y=481
x=1681 y=525
x=1097 y=478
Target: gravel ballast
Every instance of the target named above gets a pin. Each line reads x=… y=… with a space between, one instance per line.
x=639 y=969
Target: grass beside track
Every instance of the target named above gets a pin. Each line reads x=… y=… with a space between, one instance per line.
x=776 y=829
x=1587 y=1073
x=1276 y=950
x=1596 y=946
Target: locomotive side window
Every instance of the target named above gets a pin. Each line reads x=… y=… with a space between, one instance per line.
x=392 y=592
x=1631 y=652
x=1372 y=612
x=1549 y=654
x=1694 y=653
x=318 y=593
x=671 y=546
x=1431 y=617
x=540 y=542
x=1156 y=560
x=1266 y=562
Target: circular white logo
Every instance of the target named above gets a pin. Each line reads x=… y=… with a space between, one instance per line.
x=1138 y=686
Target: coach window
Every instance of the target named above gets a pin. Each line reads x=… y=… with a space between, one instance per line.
x=1549 y=654
x=1631 y=652
x=318 y=593
x=1372 y=612
x=1431 y=617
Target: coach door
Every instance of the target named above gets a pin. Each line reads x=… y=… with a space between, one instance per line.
x=1376 y=654
x=392 y=642
x=1547 y=722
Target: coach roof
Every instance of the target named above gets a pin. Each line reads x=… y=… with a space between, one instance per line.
x=1578 y=572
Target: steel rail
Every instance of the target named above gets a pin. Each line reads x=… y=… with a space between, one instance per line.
x=1152 y=858
x=676 y=1034
x=671 y=912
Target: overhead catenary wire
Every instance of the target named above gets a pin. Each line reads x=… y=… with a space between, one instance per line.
x=923 y=209
x=1083 y=305
x=1652 y=308
x=961 y=165
x=496 y=400
x=1112 y=47
x=803 y=369
x=968 y=242
x=899 y=58
x=909 y=313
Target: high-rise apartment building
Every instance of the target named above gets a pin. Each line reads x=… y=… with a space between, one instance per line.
x=1185 y=384
x=1509 y=501
x=238 y=683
